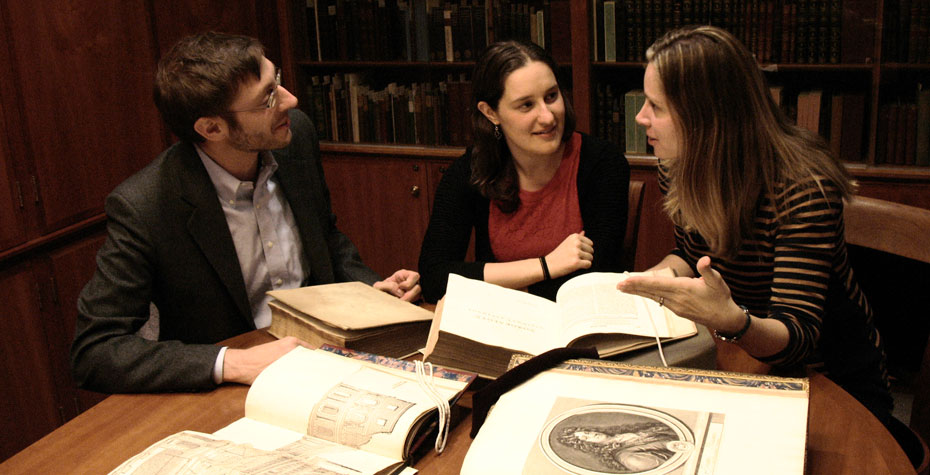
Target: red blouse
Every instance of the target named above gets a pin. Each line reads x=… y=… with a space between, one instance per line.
x=545 y=217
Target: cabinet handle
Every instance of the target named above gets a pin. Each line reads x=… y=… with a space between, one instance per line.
x=442 y=170
x=416 y=168
x=414 y=191
x=19 y=194
x=35 y=188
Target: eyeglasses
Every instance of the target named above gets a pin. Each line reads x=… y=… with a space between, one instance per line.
x=272 y=98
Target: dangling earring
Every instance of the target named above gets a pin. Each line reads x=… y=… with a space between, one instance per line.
x=497 y=132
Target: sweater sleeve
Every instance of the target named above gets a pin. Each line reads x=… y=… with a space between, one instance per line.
x=453 y=218
x=805 y=243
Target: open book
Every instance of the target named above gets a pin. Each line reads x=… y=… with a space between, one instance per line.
x=329 y=410
x=480 y=325
x=593 y=416
x=351 y=315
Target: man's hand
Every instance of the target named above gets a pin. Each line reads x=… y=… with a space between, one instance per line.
x=243 y=366
x=404 y=284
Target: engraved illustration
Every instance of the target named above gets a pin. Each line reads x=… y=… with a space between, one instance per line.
x=350 y=416
x=189 y=452
x=587 y=438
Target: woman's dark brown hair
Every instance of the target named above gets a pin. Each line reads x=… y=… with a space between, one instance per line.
x=492 y=167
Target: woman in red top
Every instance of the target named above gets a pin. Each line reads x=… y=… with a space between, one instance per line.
x=544 y=201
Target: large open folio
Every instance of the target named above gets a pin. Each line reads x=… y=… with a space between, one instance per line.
x=596 y=417
x=479 y=326
x=330 y=410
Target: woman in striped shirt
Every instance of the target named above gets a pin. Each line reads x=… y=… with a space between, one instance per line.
x=758 y=210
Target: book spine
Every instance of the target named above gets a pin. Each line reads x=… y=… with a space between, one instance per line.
x=635 y=133
x=534 y=30
x=405 y=21
x=910 y=136
x=447 y=35
x=318 y=111
x=600 y=125
x=881 y=135
x=641 y=142
x=437 y=42
x=597 y=33
x=479 y=21
x=421 y=29
x=836 y=124
x=610 y=38
x=630 y=31
x=616 y=133
x=541 y=29
x=857 y=30
x=891 y=143
x=461 y=32
x=313 y=30
x=922 y=139
x=560 y=33
x=823 y=32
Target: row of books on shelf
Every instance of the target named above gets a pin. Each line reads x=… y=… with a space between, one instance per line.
x=838 y=117
x=429 y=30
x=903 y=136
x=345 y=108
x=776 y=31
x=906 y=32
x=615 y=119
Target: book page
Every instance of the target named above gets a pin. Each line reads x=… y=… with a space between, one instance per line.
x=498 y=316
x=350 y=402
x=194 y=452
x=643 y=421
x=591 y=303
x=264 y=436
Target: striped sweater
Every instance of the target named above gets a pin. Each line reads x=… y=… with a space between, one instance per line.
x=794 y=268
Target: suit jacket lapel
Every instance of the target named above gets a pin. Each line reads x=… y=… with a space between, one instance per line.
x=207 y=226
x=296 y=183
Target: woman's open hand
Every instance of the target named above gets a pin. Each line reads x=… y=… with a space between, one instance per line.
x=705 y=299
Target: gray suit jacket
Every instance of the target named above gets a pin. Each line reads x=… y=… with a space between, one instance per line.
x=168 y=243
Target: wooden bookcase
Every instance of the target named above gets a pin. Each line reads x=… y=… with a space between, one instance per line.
x=878 y=81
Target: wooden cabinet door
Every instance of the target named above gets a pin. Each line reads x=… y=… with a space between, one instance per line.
x=12 y=232
x=175 y=19
x=71 y=267
x=29 y=406
x=81 y=82
x=382 y=205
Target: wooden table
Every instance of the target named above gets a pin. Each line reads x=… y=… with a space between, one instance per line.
x=843 y=436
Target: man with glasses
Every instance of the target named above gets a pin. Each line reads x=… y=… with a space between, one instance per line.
x=236 y=208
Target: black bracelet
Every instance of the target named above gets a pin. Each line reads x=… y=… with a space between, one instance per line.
x=542 y=262
x=736 y=336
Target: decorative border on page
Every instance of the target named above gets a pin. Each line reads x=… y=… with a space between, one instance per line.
x=408 y=366
x=689 y=375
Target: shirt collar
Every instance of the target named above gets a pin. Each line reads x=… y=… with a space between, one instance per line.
x=226 y=184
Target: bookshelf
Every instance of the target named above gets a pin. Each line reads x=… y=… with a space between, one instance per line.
x=861 y=55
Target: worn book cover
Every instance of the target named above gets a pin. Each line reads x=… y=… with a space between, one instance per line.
x=350 y=314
